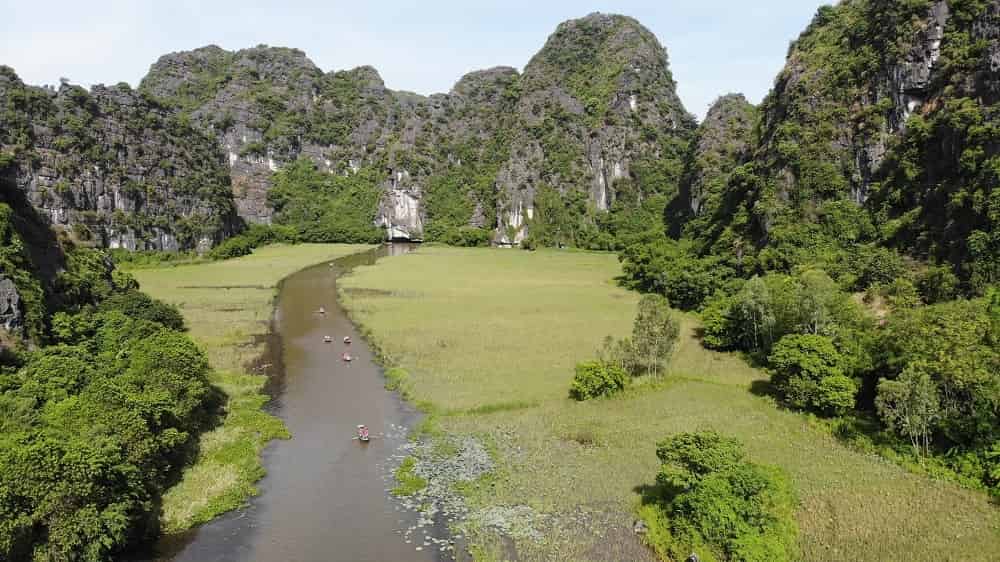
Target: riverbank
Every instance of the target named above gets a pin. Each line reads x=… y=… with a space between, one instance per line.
x=227 y=306
x=488 y=340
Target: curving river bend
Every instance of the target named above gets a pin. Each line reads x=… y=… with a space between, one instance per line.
x=324 y=497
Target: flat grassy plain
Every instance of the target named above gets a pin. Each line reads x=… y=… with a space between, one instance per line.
x=489 y=339
x=227 y=306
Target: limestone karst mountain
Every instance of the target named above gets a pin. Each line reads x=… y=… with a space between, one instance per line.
x=882 y=127
x=595 y=108
x=884 y=112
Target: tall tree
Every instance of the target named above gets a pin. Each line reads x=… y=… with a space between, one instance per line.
x=654 y=333
x=910 y=405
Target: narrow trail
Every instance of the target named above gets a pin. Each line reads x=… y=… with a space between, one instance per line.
x=325 y=496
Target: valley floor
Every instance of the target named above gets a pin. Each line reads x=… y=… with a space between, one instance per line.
x=227 y=306
x=490 y=339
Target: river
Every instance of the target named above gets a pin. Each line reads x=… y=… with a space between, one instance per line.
x=324 y=497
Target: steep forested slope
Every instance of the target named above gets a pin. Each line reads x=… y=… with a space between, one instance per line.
x=872 y=168
x=881 y=128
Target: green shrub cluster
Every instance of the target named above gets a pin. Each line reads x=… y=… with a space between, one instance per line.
x=808 y=371
x=320 y=207
x=594 y=379
x=711 y=501
x=95 y=426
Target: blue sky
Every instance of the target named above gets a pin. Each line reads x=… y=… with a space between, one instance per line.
x=715 y=46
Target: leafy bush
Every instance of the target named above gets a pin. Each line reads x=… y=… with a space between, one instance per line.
x=937 y=284
x=716 y=503
x=808 y=372
x=597 y=378
x=139 y=305
x=100 y=427
x=673 y=270
x=716 y=323
x=253 y=237
x=468 y=236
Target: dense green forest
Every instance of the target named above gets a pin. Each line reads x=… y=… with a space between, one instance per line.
x=99 y=403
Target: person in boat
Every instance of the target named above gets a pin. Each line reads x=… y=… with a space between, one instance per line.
x=363 y=433
x=347 y=339
x=322 y=310
x=327 y=339
x=346 y=356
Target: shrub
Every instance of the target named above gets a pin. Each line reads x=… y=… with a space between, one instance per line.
x=232 y=248
x=878 y=266
x=468 y=236
x=937 y=284
x=807 y=370
x=597 y=378
x=716 y=503
x=716 y=324
x=140 y=306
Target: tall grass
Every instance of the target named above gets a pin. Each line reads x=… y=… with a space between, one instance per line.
x=227 y=304
x=489 y=338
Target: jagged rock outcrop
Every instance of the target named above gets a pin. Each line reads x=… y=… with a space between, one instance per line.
x=269 y=106
x=880 y=128
x=597 y=107
x=595 y=120
x=11 y=313
x=721 y=143
x=112 y=167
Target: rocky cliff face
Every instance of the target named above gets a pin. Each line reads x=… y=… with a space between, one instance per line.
x=884 y=107
x=11 y=313
x=721 y=143
x=597 y=108
x=112 y=167
x=269 y=106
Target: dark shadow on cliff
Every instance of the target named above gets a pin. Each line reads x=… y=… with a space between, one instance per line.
x=41 y=243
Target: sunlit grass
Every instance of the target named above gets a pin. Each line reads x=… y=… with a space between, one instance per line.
x=226 y=305
x=489 y=339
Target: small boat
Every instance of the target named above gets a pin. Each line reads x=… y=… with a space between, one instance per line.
x=347 y=339
x=327 y=339
x=346 y=357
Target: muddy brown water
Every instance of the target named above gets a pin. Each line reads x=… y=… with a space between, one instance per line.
x=325 y=494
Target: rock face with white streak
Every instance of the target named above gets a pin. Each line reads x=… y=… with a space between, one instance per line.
x=489 y=143
x=597 y=115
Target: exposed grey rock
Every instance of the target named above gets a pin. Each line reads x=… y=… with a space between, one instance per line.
x=616 y=108
x=114 y=168
x=11 y=312
x=721 y=142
